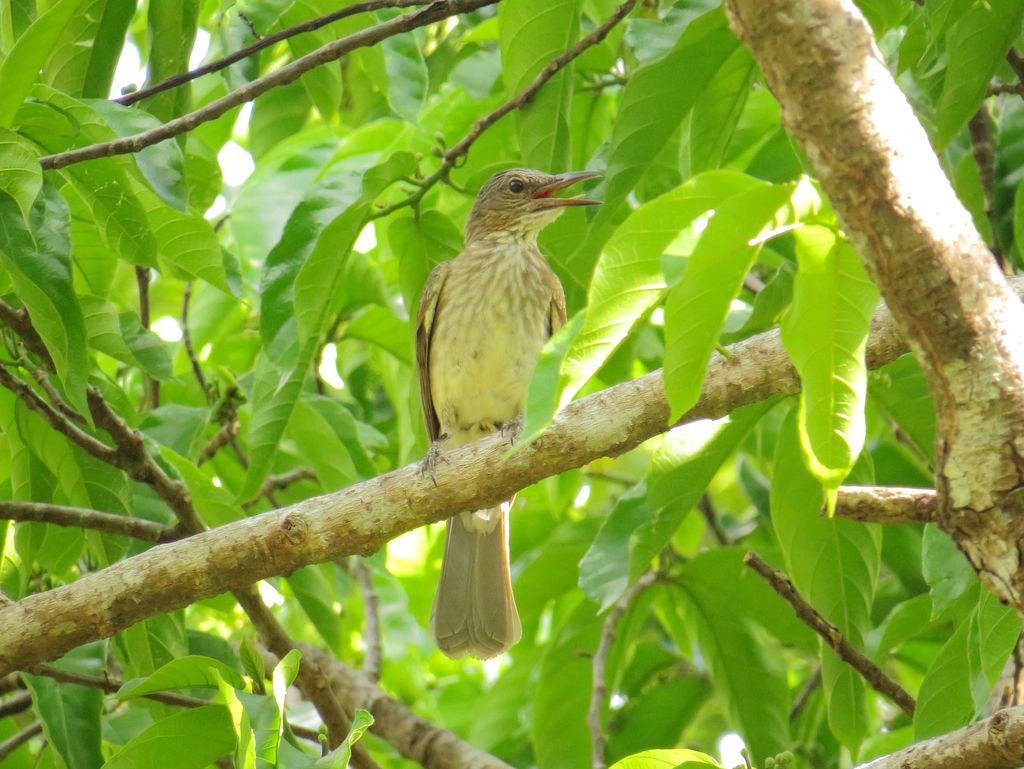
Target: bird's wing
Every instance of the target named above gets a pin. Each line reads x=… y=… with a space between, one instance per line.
x=556 y=314
x=425 y=322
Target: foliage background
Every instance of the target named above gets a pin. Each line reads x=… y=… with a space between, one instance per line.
x=299 y=279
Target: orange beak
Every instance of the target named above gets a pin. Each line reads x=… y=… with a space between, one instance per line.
x=560 y=183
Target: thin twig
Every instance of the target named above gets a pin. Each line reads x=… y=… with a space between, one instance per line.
x=84 y=518
x=20 y=323
x=279 y=483
x=16 y=703
x=983 y=148
x=220 y=439
x=43 y=378
x=707 y=509
x=804 y=696
x=460 y=149
x=142 y=278
x=15 y=741
x=261 y=43
x=436 y=11
x=997 y=89
x=873 y=675
x=372 y=654
x=599 y=689
x=186 y=337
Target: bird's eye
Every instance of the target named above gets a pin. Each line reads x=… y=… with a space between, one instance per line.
x=516 y=185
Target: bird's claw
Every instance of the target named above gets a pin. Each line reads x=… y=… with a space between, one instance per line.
x=431 y=460
x=512 y=430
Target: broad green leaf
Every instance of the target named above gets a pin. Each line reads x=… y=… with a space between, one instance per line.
x=696 y=308
x=182 y=673
x=323 y=84
x=664 y=759
x=421 y=243
x=657 y=98
x=37 y=256
x=976 y=44
x=834 y=565
x=121 y=335
x=321 y=447
x=71 y=714
x=284 y=675
x=171 y=25
x=946 y=570
x=901 y=390
x=20 y=174
x=627 y=283
x=189 y=739
x=718 y=110
x=276 y=115
x=408 y=78
x=748 y=675
x=85 y=55
x=637 y=527
x=245 y=742
x=339 y=757
x=21 y=67
x=532 y=33
x=825 y=333
x=958 y=685
x=379 y=326
x=542 y=396
x=313 y=589
x=215 y=505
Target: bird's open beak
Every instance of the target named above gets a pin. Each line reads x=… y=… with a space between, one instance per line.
x=560 y=183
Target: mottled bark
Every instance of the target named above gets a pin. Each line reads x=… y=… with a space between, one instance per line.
x=919 y=244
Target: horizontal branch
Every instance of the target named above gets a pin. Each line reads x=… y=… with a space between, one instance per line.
x=62 y=515
x=886 y=504
x=264 y=42
x=436 y=11
x=995 y=743
x=363 y=517
x=847 y=652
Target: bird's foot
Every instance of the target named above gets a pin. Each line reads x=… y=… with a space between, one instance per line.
x=512 y=429
x=433 y=458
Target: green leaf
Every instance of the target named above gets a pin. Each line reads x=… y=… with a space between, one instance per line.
x=749 y=676
x=380 y=326
x=171 y=25
x=182 y=673
x=323 y=84
x=85 y=56
x=37 y=256
x=696 y=308
x=121 y=336
x=20 y=174
x=21 y=67
x=188 y=739
x=408 y=79
x=284 y=675
x=71 y=714
x=531 y=34
x=245 y=741
x=420 y=243
x=834 y=564
x=542 y=396
x=958 y=685
x=975 y=46
x=946 y=570
x=628 y=282
x=657 y=98
x=664 y=759
x=825 y=333
x=717 y=111
x=340 y=756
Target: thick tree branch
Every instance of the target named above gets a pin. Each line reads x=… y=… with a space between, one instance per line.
x=61 y=515
x=995 y=743
x=263 y=42
x=868 y=670
x=436 y=11
x=919 y=243
x=886 y=504
x=361 y=518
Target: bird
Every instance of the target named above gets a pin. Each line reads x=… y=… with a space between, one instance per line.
x=483 y=318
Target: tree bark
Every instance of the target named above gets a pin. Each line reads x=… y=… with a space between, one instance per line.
x=919 y=244
x=361 y=518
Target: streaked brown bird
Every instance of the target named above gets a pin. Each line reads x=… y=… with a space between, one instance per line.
x=483 y=319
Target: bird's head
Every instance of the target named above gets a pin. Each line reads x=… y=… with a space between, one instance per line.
x=517 y=204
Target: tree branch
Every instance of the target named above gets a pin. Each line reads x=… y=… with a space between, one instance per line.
x=361 y=518
x=869 y=671
x=440 y=9
x=18 y=739
x=599 y=686
x=263 y=42
x=886 y=504
x=995 y=743
x=919 y=244
x=61 y=515
x=460 y=149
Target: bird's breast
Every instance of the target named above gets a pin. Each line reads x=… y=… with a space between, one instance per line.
x=492 y=321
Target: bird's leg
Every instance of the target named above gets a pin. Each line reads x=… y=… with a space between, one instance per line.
x=512 y=429
x=433 y=458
